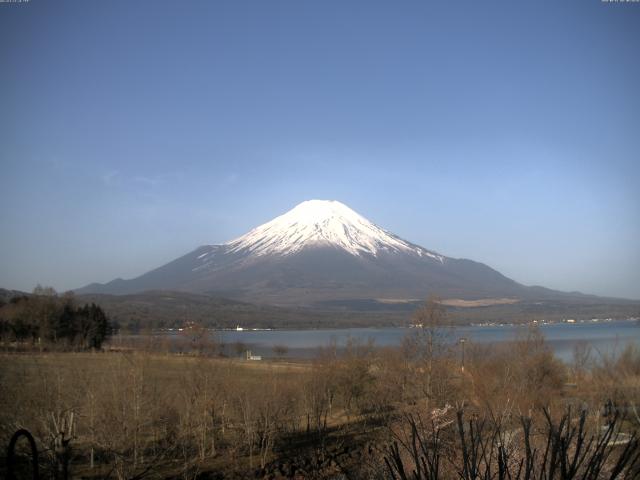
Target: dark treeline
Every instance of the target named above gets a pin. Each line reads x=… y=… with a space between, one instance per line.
x=48 y=319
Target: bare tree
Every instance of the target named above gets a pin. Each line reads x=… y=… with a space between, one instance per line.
x=582 y=358
x=427 y=343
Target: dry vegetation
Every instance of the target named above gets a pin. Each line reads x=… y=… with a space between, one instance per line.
x=366 y=413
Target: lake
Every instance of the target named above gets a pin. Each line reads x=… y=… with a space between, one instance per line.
x=605 y=337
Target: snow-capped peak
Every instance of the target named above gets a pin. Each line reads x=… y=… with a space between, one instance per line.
x=322 y=223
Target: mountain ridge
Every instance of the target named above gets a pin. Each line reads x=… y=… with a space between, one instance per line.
x=323 y=251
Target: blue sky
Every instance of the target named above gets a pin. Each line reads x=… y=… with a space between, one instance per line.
x=505 y=132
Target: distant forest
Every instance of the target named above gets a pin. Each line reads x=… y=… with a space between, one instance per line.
x=49 y=320
x=153 y=310
x=166 y=309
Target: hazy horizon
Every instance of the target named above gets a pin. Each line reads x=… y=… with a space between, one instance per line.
x=133 y=132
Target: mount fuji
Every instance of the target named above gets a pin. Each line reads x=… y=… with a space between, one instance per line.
x=322 y=251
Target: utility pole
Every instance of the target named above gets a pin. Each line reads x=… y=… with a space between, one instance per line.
x=462 y=342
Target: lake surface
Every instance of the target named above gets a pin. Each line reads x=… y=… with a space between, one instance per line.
x=604 y=337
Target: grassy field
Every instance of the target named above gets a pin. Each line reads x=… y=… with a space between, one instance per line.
x=131 y=413
x=165 y=369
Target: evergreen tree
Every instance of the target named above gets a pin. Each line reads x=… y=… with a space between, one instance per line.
x=44 y=315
